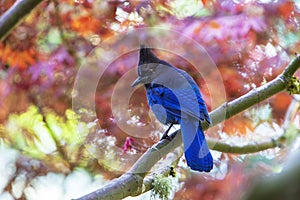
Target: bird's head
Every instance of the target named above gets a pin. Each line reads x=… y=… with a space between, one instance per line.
x=147 y=66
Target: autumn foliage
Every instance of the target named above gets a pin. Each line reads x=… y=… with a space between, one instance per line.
x=250 y=43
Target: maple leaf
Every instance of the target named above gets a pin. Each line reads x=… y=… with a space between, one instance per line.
x=14 y=57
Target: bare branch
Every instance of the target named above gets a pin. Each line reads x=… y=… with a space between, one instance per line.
x=14 y=15
x=255 y=96
x=130 y=183
x=244 y=149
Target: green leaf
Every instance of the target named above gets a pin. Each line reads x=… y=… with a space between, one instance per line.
x=37 y=138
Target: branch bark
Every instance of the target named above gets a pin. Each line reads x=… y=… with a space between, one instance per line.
x=14 y=15
x=130 y=183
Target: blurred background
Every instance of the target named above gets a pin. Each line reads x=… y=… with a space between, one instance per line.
x=48 y=150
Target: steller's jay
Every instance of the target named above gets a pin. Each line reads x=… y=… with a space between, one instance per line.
x=174 y=98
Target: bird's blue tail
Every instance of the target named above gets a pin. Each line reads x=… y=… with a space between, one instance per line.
x=196 y=149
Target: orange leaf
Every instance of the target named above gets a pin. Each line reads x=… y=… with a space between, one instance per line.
x=17 y=58
x=86 y=24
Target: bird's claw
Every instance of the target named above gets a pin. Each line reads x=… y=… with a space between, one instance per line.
x=165 y=136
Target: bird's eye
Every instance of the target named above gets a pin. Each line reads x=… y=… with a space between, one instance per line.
x=150 y=68
x=146 y=69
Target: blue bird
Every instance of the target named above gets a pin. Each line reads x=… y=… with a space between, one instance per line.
x=174 y=98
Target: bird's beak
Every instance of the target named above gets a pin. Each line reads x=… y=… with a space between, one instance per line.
x=139 y=80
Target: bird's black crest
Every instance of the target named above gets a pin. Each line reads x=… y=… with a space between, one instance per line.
x=146 y=56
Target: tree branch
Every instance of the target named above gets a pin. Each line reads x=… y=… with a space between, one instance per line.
x=148 y=180
x=14 y=15
x=130 y=183
x=254 y=96
x=248 y=148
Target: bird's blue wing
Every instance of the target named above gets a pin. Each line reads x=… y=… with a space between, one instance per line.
x=191 y=103
x=169 y=112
